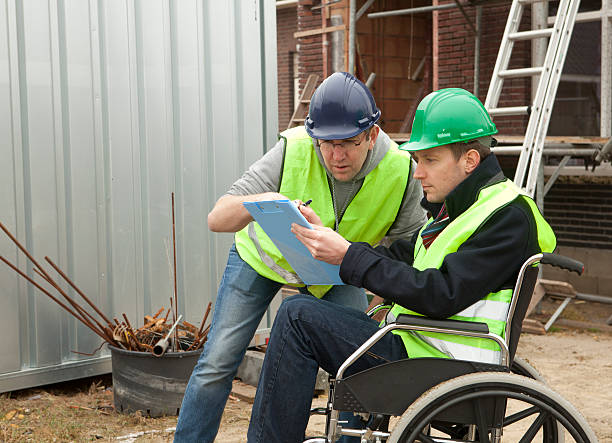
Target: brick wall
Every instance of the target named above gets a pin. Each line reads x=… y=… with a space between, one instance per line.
x=456 y=58
x=286 y=25
x=392 y=47
x=310 y=53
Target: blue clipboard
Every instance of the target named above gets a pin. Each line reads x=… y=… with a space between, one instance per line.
x=275 y=218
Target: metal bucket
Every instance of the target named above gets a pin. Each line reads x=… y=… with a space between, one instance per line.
x=152 y=385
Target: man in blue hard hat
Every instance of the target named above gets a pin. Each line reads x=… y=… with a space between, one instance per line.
x=360 y=185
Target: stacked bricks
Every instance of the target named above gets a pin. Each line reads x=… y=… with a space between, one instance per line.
x=286 y=25
x=456 y=58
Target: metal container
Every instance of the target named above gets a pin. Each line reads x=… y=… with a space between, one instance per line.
x=152 y=385
x=106 y=107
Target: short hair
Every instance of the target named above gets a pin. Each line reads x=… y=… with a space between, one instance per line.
x=481 y=145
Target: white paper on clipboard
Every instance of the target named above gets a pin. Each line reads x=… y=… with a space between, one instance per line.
x=275 y=218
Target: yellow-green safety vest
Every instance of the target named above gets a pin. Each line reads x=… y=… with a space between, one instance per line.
x=367 y=218
x=491 y=309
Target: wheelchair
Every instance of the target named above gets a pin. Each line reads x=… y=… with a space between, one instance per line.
x=447 y=400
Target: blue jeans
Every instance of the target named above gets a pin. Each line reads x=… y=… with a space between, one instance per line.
x=309 y=333
x=242 y=300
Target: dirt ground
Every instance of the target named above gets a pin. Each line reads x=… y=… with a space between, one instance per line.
x=577 y=363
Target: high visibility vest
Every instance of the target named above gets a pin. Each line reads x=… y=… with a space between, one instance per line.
x=367 y=218
x=491 y=309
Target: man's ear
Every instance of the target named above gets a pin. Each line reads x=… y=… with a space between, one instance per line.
x=472 y=160
x=373 y=136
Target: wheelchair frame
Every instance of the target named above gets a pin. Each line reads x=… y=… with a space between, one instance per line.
x=346 y=392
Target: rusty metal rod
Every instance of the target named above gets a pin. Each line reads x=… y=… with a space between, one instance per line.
x=40 y=269
x=158 y=312
x=74 y=304
x=174 y=254
x=74 y=286
x=25 y=251
x=204 y=320
x=47 y=293
x=197 y=343
x=132 y=333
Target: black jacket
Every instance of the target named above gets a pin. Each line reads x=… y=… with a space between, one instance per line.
x=488 y=261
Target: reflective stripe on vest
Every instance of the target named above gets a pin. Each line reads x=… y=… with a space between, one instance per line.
x=367 y=218
x=491 y=309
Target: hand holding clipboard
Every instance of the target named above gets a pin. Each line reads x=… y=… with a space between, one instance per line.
x=275 y=218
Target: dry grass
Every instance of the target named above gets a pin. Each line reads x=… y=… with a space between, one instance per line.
x=75 y=411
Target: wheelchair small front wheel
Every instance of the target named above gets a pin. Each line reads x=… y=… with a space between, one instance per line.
x=530 y=407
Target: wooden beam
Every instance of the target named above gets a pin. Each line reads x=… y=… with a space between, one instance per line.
x=318 y=31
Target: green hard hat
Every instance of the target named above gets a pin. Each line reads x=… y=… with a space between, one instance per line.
x=448 y=116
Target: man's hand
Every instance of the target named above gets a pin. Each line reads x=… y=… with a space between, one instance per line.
x=310 y=215
x=229 y=215
x=323 y=243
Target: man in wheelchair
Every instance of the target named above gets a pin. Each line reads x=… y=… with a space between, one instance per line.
x=462 y=265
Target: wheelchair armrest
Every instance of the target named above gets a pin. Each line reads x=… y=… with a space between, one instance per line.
x=458 y=325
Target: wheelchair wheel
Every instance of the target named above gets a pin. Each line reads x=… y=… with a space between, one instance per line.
x=522 y=367
x=531 y=407
x=553 y=431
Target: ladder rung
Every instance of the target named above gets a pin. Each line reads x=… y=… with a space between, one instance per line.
x=306 y=102
x=514 y=110
x=527 y=2
x=522 y=72
x=528 y=35
x=507 y=150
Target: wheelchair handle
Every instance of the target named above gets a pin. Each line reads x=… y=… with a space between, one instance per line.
x=562 y=262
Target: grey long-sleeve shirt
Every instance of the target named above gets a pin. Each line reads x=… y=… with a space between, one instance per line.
x=264 y=176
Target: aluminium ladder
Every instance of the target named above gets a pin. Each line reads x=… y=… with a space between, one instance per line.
x=550 y=72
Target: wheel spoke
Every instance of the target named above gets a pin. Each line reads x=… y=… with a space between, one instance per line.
x=483 y=431
x=424 y=438
x=534 y=428
x=520 y=415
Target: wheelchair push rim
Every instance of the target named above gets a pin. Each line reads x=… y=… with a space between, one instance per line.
x=551 y=411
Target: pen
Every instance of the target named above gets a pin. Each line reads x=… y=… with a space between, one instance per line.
x=307 y=203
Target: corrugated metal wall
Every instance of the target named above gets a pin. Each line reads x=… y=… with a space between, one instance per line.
x=106 y=107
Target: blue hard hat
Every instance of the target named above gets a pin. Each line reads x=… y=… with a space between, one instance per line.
x=341 y=107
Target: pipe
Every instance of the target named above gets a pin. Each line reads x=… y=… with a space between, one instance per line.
x=351 y=48
x=160 y=347
x=363 y=9
x=411 y=10
x=514 y=150
x=593 y=297
x=477 y=51
x=370 y=81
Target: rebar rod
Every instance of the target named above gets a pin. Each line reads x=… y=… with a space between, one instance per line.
x=73 y=303
x=174 y=254
x=47 y=293
x=74 y=286
x=204 y=320
x=25 y=251
x=47 y=278
x=158 y=312
x=197 y=343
